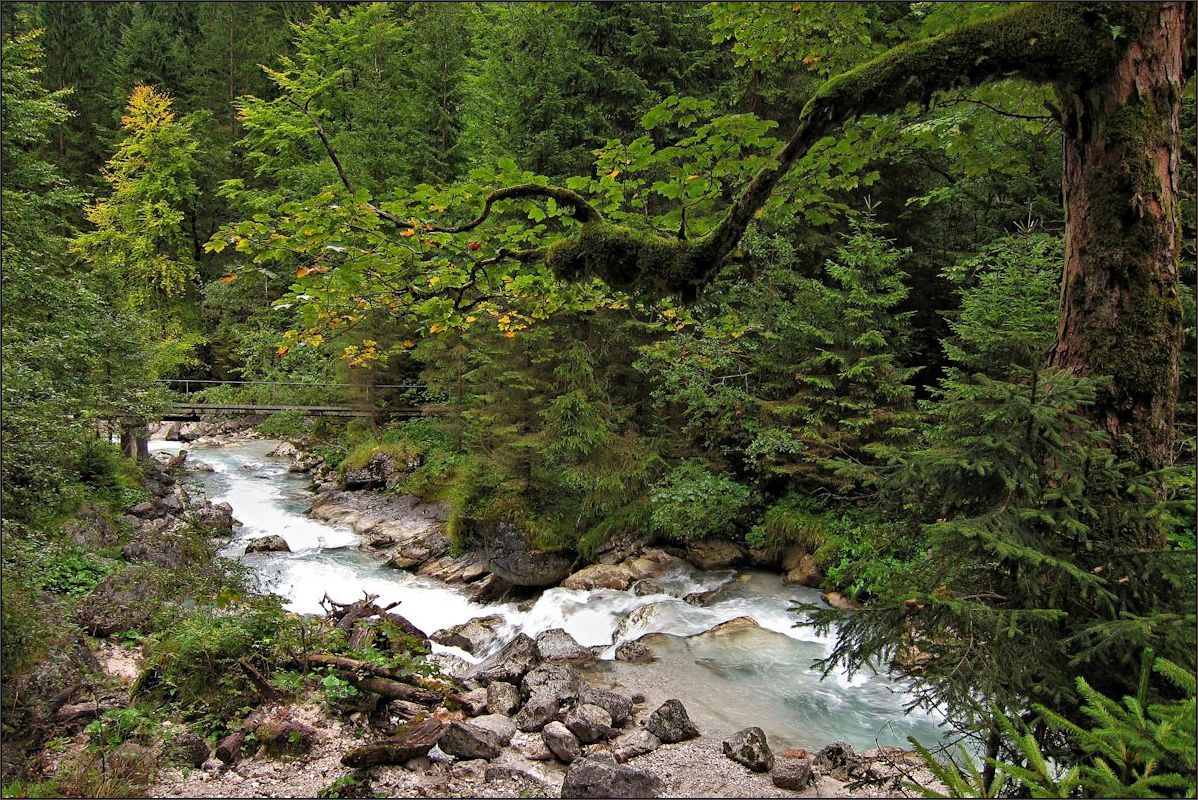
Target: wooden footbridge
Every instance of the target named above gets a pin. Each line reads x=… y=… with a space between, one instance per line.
x=345 y=399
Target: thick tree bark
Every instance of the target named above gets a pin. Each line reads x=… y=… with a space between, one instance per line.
x=1120 y=305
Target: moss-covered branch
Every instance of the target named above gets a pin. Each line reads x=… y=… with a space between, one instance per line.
x=1063 y=44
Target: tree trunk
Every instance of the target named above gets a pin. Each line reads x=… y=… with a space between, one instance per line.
x=1120 y=304
x=135 y=440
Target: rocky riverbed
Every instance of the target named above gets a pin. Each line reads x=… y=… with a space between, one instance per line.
x=546 y=714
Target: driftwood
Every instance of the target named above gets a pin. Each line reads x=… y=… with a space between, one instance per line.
x=411 y=741
x=393 y=690
x=347 y=617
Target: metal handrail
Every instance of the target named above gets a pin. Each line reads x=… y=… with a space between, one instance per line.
x=188 y=381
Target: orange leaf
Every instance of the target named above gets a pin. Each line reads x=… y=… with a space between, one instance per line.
x=282 y=351
x=407 y=233
x=473 y=246
x=228 y=278
x=301 y=272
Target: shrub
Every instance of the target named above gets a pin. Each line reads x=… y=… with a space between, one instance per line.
x=692 y=502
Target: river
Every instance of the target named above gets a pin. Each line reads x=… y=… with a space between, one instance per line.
x=746 y=677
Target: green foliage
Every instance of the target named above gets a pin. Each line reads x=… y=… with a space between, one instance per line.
x=285 y=425
x=71 y=574
x=691 y=502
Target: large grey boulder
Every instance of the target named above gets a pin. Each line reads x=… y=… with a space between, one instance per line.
x=557 y=645
x=558 y=680
x=498 y=724
x=615 y=704
x=589 y=778
x=510 y=664
x=268 y=544
x=472 y=636
x=671 y=723
x=502 y=698
x=538 y=711
x=466 y=740
x=750 y=748
x=714 y=553
x=589 y=723
x=634 y=743
x=510 y=555
x=561 y=742
x=792 y=772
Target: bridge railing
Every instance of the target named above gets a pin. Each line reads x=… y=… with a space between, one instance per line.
x=382 y=397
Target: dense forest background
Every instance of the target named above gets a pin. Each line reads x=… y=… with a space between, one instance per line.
x=191 y=191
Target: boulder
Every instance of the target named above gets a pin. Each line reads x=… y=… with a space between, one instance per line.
x=284 y=450
x=498 y=724
x=634 y=743
x=268 y=544
x=502 y=698
x=188 y=747
x=91 y=529
x=538 y=711
x=615 y=704
x=556 y=644
x=750 y=748
x=144 y=510
x=531 y=746
x=171 y=433
x=474 y=702
x=513 y=558
x=837 y=760
x=589 y=778
x=791 y=772
x=671 y=723
x=648 y=586
x=635 y=652
x=805 y=572
x=161 y=551
x=838 y=600
x=218 y=518
x=451 y=665
x=589 y=723
x=556 y=680
x=599 y=576
x=465 y=740
x=490 y=589
x=510 y=664
x=561 y=742
x=472 y=636
x=731 y=626
x=714 y=553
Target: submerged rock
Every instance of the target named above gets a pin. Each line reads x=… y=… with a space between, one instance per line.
x=750 y=748
x=671 y=723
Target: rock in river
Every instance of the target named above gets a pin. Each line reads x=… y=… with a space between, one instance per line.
x=268 y=544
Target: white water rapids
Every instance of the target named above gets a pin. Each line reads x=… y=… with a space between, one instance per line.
x=727 y=682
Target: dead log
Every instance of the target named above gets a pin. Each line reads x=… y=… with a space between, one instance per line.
x=230 y=747
x=269 y=692
x=393 y=690
x=412 y=740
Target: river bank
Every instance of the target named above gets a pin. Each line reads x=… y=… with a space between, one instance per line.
x=720 y=669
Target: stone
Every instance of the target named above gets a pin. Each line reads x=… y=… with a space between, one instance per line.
x=671 y=723
x=171 y=433
x=490 y=589
x=474 y=702
x=837 y=760
x=510 y=664
x=284 y=450
x=538 y=710
x=213 y=765
x=837 y=600
x=731 y=626
x=561 y=742
x=805 y=572
x=502 y=698
x=601 y=753
x=750 y=748
x=513 y=558
x=599 y=576
x=792 y=772
x=711 y=553
x=124 y=601
x=144 y=510
x=451 y=665
x=556 y=644
x=531 y=746
x=498 y=724
x=589 y=723
x=589 y=778
x=268 y=544
x=465 y=740
x=648 y=586
x=559 y=681
x=615 y=704
x=170 y=504
x=189 y=747
x=635 y=652
x=634 y=743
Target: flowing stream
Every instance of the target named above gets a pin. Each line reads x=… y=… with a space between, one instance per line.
x=730 y=680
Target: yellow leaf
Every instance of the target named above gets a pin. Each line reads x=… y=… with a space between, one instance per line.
x=282 y=351
x=469 y=320
x=615 y=173
x=433 y=281
x=435 y=328
x=408 y=344
x=301 y=272
x=228 y=278
x=505 y=319
x=407 y=233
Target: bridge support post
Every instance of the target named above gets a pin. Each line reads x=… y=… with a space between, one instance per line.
x=135 y=439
